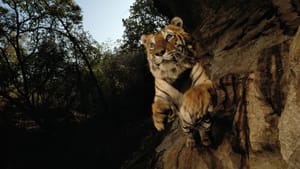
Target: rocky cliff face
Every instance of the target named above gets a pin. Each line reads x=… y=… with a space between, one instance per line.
x=254 y=49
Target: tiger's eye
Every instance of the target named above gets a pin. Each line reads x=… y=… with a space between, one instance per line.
x=169 y=37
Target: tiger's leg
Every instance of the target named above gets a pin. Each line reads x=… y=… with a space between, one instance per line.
x=161 y=114
x=166 y=102
x=194 y=113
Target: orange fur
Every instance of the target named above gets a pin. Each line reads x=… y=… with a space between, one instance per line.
x=196 y=100
x=169 y=54
x=168 y=57
x=160 y=112
x=196 y=104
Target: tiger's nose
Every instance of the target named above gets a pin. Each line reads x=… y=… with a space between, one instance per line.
x=160 y=52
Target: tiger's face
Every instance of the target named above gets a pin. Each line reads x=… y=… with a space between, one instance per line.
x=168 y=51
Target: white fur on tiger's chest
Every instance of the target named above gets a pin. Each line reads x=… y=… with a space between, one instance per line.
x=168 y=71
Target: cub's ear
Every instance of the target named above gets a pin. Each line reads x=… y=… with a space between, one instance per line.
x=144 y=39
x=177 y=21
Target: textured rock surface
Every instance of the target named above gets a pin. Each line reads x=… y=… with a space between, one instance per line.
x=257 y=41
x=289 y=127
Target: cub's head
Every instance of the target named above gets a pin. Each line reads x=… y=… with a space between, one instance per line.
x=168 y=51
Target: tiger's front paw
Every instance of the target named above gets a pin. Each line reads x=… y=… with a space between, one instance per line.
x=161 y=114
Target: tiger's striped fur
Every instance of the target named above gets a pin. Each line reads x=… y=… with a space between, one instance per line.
x=169 y=55
x=197 y=105
x=168 y=51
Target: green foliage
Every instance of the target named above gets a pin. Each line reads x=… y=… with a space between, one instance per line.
x=45 y=60
x=50 y=67
x=144 y=18
x=127 y=85
x=53 y=73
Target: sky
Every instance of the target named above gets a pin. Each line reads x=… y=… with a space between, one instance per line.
x=103 y=18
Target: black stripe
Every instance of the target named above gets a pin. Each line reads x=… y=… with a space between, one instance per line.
x=170 y=100
x=183 y=82
x=167 y=94
x=181 y=39
x=158 y=96
x=190 y=124
x=198 y=77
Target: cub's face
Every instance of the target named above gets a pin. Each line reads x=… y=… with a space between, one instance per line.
x=168 y=51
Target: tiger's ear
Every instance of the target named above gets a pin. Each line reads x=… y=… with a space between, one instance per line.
x=143 y=39
x=177 y=21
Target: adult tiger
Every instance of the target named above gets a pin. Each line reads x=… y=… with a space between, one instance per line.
x=170 y=56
